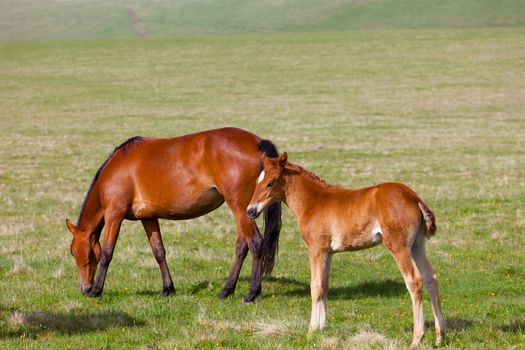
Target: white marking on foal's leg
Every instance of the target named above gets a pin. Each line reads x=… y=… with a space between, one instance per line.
x=319 y=291
x=318 y=319
x=261 y=177
x=431 y=285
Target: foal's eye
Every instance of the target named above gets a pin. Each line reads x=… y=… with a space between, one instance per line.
x=270 y=184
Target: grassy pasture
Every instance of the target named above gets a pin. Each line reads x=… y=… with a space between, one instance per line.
x=441 y=110
x=82 y=19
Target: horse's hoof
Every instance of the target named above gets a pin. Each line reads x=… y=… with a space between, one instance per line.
x=252 y=297
x=167 y=291
x=224 y=294
x=94 y=294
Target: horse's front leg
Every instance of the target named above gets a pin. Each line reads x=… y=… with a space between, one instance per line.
x=113 y=221
x=320 y=261
x=152 y=228
x=248 y=237
x=255 y=245
x=241 y=250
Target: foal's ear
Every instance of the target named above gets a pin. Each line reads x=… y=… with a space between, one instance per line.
x=265 y=159
x=72 y=228
x=283 y=159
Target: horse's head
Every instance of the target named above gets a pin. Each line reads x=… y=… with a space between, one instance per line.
x=85 y=248
x=270 y=185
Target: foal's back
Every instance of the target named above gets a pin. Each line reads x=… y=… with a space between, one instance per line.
x=362 y=218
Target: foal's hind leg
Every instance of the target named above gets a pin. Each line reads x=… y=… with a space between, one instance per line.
x=152 y=228
x=414 y=284
x=113 y=220
x=431 y=285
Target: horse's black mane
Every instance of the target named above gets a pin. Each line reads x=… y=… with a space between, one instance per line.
x=124 y=147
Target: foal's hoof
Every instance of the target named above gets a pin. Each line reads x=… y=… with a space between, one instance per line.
x=224 y=294
x=440 y=341
x=167 y=291
x=414 y=345
x=94 y=294
x=250 y=298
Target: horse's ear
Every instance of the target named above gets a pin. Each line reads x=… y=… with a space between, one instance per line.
x=72 y=228
x=283 y=159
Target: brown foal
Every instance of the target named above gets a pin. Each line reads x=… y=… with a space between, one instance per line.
x=333 y=220
x=176 y=178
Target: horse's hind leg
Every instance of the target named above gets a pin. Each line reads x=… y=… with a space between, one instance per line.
x=152 y=228
x=113 y=220
x=414 y=284
x=241 y=250
x=431 y=285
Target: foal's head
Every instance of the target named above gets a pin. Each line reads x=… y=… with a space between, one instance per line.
x=270 y=185
x=85 y=248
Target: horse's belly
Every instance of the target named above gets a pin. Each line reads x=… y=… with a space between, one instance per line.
x=176 y=206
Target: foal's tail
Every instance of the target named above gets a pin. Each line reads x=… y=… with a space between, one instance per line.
x=272 y=220
x=429 y=218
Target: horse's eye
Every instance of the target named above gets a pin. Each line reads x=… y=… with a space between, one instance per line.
x=270 y=184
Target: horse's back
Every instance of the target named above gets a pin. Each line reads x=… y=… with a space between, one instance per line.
x=181 y=177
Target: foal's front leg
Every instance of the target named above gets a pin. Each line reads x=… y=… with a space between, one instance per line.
x=320 y=261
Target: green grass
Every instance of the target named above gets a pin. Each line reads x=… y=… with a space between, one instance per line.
x=441 y=110
x=81 y=19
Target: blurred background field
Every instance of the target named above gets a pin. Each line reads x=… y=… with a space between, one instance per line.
x=361 y=92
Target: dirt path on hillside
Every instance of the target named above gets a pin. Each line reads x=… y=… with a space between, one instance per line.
x=135 y=24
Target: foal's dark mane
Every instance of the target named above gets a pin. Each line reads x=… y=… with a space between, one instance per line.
x=124 y=147
x=298 y=169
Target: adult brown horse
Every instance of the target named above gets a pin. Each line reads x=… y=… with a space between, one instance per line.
x=176 y=178
x=333 y=219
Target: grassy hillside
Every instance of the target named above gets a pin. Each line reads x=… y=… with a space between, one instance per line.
x=80 y=19
x=441 y=110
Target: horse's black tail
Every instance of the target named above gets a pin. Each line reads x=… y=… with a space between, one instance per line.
x=272 y=221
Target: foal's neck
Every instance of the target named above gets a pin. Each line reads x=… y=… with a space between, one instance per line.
x=302 y=189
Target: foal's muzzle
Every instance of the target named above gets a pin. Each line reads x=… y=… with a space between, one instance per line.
x=253 y=212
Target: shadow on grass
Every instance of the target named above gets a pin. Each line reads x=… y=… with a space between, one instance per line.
x=453 y=324
x=514 y=327
x=152 y=293
x=69 y=323
x=383 y=288
x=196 y=288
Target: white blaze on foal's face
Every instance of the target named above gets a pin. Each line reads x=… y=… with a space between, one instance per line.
x=261 y=177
